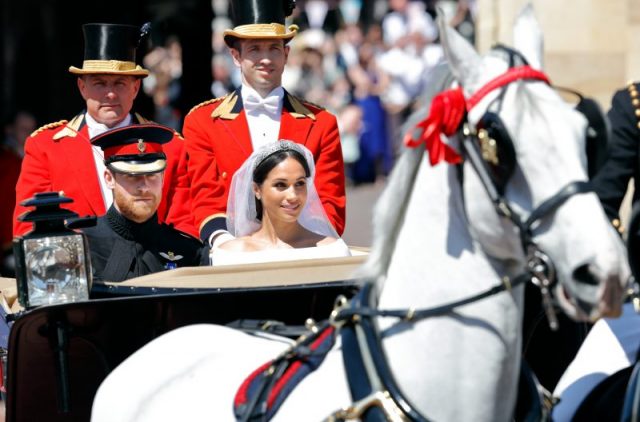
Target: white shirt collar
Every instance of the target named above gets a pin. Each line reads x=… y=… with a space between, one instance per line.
x=96 y=128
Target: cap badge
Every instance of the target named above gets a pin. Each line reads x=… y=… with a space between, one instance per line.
x=141 y=146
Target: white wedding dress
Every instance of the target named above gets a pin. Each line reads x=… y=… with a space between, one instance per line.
x=331 y=250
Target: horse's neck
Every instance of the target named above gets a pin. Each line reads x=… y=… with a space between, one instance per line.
x=434 y=249
x=439 y=361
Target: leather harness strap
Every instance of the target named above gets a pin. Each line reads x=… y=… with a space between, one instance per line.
x=375 y=392
x=370 y=379
x=261 y=394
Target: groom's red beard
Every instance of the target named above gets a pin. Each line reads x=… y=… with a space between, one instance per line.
x=138 y=208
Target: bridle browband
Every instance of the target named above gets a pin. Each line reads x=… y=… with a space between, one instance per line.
x=376 y=395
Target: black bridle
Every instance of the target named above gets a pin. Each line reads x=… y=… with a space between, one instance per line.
x=376 y=395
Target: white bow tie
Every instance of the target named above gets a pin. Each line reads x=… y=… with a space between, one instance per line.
x=254 y=104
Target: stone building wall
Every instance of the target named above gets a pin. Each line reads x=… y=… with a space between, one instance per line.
x=592 y=46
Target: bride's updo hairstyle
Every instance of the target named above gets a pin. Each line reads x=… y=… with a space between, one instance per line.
x=264 y=167
x=244 y=211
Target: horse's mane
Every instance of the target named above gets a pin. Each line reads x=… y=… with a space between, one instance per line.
x=389 y=210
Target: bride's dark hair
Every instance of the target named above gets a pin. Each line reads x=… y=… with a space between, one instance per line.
x=268 y=163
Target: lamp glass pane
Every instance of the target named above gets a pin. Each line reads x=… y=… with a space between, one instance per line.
x=56 y=269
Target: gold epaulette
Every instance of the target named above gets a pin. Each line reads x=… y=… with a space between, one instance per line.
x=49 y=126
x=225 y=109
x=143 y=120
x=299 y=109
x=204 y=103
x=635 y=101
x=311 y=104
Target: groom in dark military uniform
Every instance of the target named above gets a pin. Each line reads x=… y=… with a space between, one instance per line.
x=60 y=156
x=129 y=241
x=623 y=161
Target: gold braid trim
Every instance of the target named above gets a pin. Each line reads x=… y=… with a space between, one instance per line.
x=48 y=126
x=204 y=103
x=299 y=110
x=223 y=111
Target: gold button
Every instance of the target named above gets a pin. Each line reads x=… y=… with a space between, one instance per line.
x=638 y=125
x=633 y=93
x=638 y=112
x=635 y=102
x=615 y=222
x=224 y=175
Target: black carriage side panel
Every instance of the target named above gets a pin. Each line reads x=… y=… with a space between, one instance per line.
x=59 y=355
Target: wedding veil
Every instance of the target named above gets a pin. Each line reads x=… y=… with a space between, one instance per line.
x=241 y=206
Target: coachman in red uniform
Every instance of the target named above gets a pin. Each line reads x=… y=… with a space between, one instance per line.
x=60 y=157
x=220 y=134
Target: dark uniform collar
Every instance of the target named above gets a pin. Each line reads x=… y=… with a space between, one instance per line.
x=128 y=229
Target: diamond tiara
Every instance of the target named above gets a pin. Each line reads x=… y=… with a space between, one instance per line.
x=282 y=145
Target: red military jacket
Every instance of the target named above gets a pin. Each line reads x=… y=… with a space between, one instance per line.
x=59 y=157
x=218 y=141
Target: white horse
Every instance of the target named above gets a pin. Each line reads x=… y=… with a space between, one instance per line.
x=437 y=240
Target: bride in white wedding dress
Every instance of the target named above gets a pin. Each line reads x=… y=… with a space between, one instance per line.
x=274 y=210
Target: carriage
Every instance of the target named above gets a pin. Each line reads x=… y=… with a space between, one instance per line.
x=57 y=356
x=459 y=230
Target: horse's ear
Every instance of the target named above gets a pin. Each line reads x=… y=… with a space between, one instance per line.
x=527 y=36
x=464 y=61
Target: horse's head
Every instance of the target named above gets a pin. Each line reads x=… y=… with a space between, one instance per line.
x=535 y=148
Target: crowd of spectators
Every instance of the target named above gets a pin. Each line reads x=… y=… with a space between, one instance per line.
x=366 y=61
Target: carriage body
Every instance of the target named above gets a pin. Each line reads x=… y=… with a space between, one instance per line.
x=58 y=355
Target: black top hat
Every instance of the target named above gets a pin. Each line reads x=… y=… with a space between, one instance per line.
x=111 y=49
x=261 y=19
x=135 y=149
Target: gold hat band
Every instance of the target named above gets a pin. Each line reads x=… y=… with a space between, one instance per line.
x=114 y=65
x=262 y=30
x=109 y=66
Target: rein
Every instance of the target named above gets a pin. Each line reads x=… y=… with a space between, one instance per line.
x=376 y=395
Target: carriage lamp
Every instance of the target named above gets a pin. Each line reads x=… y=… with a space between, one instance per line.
x=52 y=260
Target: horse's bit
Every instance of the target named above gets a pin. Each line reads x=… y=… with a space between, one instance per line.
x=376 y=395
